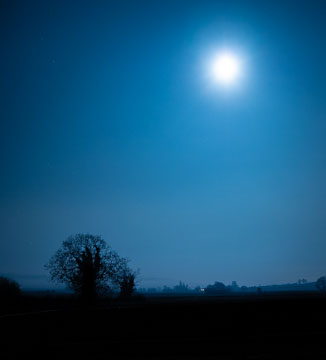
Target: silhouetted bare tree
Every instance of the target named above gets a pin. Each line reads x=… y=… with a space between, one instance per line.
x=87 y=265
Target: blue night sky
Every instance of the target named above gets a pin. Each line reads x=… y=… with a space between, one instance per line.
x=109 y=125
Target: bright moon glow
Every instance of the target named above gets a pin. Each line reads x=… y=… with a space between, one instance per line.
x=226 y=68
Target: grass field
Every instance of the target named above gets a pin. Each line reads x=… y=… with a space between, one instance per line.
x=247 y=327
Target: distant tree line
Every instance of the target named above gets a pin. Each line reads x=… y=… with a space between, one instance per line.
x=218 y=288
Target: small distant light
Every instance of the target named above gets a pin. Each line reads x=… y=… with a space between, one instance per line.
x=202 y=290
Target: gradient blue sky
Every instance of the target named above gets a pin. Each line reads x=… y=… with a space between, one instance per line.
x=110 y=126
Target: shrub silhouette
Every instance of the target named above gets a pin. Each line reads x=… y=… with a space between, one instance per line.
x=127 y=285
x=321 y=284
x=9 y=291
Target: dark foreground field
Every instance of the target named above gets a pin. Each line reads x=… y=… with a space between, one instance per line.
x=255 y=327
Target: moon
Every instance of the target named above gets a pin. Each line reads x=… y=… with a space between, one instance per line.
x=225 y=68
